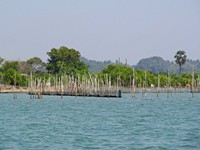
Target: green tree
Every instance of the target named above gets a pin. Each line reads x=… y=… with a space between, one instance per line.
x=10 y=65
x=114 y=71
x=180 y=59
x=12 y=77
x=34 y=60
x=1 y=60
x=20 y=66
x=65 y=60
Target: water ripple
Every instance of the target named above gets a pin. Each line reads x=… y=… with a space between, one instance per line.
x=100 y=123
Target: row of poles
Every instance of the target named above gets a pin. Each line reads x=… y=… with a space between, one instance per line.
x=90 y=86
x=74 y=86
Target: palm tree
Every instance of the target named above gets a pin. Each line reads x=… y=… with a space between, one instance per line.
x=180 y=59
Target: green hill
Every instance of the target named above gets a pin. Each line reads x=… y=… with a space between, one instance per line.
x=157 y=64
x=154 y=64
x=95 y=66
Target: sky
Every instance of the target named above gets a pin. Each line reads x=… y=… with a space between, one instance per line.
x=100 y=29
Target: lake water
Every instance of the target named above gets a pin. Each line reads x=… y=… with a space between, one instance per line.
x=125 y=123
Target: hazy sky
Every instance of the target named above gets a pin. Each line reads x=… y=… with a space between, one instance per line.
x=100 y=29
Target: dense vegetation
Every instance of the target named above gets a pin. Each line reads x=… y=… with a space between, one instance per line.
x=61 y=61
x=147 y=78
x=69 y=61
x=65 y=61
x=16 y=72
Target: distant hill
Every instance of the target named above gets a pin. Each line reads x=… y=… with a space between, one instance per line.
x=157 y=64
x=154 y=64
x=95 y=66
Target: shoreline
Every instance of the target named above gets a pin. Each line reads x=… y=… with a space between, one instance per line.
x=124 y=90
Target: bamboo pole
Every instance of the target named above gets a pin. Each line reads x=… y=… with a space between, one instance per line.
x=158 y=86
x=192 y=90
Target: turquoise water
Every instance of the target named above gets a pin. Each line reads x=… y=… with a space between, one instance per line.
x=126 y=123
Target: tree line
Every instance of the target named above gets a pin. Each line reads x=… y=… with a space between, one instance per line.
x=66 y=61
